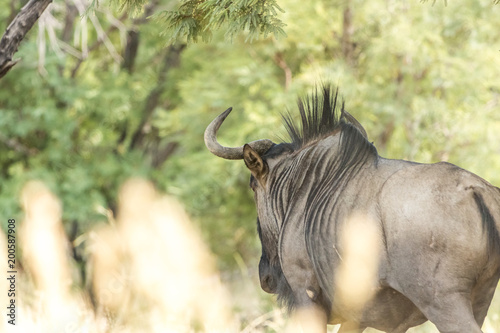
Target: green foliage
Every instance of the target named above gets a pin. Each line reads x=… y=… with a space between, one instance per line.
x=130 y=5
x=424 y=81
x=196 y=19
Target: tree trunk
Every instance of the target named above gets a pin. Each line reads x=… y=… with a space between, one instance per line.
x=133 y=37
x=130 y=52
x=17 y=30
x=347 y=32
x=280 y=61
x=170 y=61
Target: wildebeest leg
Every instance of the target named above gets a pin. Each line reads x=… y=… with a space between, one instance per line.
x=482 y=294
x=451 y=313
x=415 y=318
x=350 y=327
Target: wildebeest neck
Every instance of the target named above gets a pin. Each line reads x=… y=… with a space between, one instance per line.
x=304 y=190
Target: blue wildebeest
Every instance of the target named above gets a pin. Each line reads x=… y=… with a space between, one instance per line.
x=438 y=224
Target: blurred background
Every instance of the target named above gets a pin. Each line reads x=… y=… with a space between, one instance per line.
x=103 y=94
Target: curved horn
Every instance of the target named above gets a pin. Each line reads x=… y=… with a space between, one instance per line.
x=230 y=153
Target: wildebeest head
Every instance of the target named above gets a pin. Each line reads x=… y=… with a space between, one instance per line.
x=269 y=275
x=265 y=160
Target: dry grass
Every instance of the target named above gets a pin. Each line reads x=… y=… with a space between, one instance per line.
x=357 y=276
x=149 y=272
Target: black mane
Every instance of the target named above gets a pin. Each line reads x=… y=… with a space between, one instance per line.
x=320 y=116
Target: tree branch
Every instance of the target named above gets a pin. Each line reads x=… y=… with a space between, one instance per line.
x=17 y=146
x=97 y=43
x=171 y=60
x=69 y=21
x=17 y=30
x=130 y=51
x=162 y=154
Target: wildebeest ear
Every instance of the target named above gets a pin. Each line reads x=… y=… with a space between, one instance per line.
x=254 y=163
x=350 y=119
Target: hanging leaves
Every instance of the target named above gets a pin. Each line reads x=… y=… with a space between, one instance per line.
x=195 y=19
